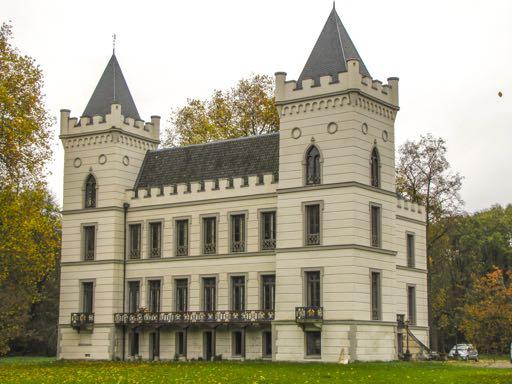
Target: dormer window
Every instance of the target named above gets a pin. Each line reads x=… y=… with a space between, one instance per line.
x=90 y=192
x=375 y=168
x=313 y=166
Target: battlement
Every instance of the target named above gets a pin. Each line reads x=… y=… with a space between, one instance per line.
x=208 y=189
x=352 y=80
x=410 y=210
x=86 y=125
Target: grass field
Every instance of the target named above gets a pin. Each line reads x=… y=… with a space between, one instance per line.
x=46 y=371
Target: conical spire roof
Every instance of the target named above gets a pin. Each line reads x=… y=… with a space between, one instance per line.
x=111 y=88
x=331 y=52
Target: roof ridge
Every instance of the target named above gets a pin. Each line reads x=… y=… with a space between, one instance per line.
x=216 y=142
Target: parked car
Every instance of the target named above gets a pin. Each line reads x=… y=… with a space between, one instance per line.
x=464 y=352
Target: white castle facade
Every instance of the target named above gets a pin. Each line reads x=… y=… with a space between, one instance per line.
x=290 y=246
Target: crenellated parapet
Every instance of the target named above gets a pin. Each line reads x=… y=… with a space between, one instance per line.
x=203 y=190
x=351 y=89
x=97 y=129
x=410 y=210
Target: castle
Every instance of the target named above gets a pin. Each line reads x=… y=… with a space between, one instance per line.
x=291 y=246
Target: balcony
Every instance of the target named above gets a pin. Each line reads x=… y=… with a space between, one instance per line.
x=238 y=246
x=182 y=250
x=313 y=239
x=194 y=317
x=82 y=320
x=309 y=314
x=268 y=244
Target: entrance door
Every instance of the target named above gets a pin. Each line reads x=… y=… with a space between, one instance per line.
x=208 y=345
x=154 y=345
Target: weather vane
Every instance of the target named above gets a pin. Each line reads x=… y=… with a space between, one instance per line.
x=114 y=43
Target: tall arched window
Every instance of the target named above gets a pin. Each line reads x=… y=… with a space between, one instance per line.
x=313 y=165
x=375 y=168
x=90 y=192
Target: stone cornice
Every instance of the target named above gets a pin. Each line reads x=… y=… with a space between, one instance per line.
x=345 y=184
x=412 y=269
x=336 y=246
x=107 y=131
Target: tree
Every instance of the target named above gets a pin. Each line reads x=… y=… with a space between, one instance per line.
x=488 y=313
x=24 y=121
x=247 y=109
x=423 y=176
x=29 y=219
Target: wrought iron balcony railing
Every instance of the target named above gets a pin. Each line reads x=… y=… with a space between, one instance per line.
x=268 y=244
x=194 y=317
x=155 y=252
x=311 y=313
x=313 y=239
x=182 y=250
x=209 y=248
x=238 y=246
x=80 y=320
x=135 y=254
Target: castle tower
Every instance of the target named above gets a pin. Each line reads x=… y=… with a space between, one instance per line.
x=104 y=150
x=336 y=204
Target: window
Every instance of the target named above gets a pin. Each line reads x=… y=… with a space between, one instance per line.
x=375 y=168
x=238 y=233
x=181 y=343
x=268 y=230
x=313 y=166
x=375 y=296
x=209 y=235
x=411 y=304
x=89 y=241
x=267 y=343
x=154 y=296
x=215 y=184
x=238 y=347
x=268 y=291
x=209 y=293
x=155 y=239
x=189 y=188
x=410 y=250
x=313 y=289
x=230 y=183
x=261 y=179
x=133 y=296
x=87 y=297
x=181 y=295
x=201 y=186
x=313 y=224
x=238 y=293
x=90 y=192
x=174 y=189
x=134 y=343
x=375 y=226
x=181 y=237
x=245 y=181
x=135 y=240
x=313 y=343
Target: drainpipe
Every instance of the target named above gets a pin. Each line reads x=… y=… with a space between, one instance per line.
x=125 y=206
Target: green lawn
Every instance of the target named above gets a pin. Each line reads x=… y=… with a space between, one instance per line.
x=40 y=371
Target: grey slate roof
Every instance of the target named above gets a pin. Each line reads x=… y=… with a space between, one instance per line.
x=111 y=87
x=245 y=156
x=331 y=52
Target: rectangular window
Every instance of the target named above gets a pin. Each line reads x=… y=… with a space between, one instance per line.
x=182 y=237
x=135 y=240
x=313 y=343
x=261 y=179
x=154 y=296
x=201 y=186
x=313 y=289
x=134 y=343
x=181 y=343
x=155 y=239
x=209 y=235
x=313 y=224
x=238 y=293
x=181 y=295
x=238 y=233
x=245 y=181
x=89 y=241
x=238 y=343
x=268 y=230
x=267 y=343
x=375 y=226
x=375 y=295
x=411 y=304
x=215 y=184
x=209 y=293
x=410 y=250
x=230 y=183
x=268 y=291
x=87 y=297
x=133 y=296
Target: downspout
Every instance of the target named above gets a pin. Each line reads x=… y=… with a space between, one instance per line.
x=125 y=206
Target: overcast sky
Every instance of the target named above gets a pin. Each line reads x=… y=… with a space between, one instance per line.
x=452 y=58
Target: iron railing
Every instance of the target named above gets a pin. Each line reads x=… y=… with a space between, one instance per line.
x=182 y=250
x=238 y=246
x=194 y=317
x=268 y=244
x=155 y=252
x=311 y=313
x=135 y=254
x=313 y=239
x=82 y=320
x=209 y=248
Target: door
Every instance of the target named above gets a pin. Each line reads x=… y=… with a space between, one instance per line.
x=154 y=345
x=208 y=345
